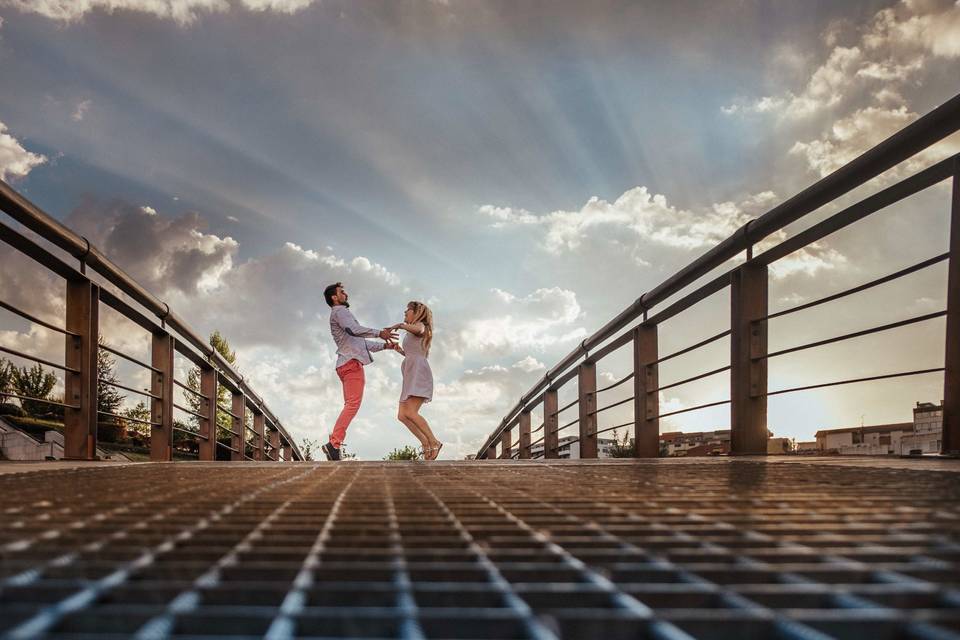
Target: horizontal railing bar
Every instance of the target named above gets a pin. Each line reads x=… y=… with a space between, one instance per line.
x=564 y=379
x=569 y=442
x=32 y=399
x=701 y=406
x=227 y=411
x=693 y=347
x=565 y=407
x=537 y=430
x=131 y=389
x=246 y=457
x=43 y=323
x=915 y=137
x=129 y=358
x=611 y=406
x=537 y=442
x=693 y=298
x=607 y=349
x=619 y=426
x=619 y=382
x=863 y=287
x=126 y=309
x=852 y=381
x=120 y=417
x=190 y=411
x=25 y=356
x=569 y=424
x=189 y=390
x=691 y=379
x=856 y=334
x=195 y=434
x=226 y=446
x=32 y=217
x=857 y=211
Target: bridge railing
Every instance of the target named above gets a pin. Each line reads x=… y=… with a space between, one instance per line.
x=749 y=317
x=240 y=438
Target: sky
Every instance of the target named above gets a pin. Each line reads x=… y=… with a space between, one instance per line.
x=528 y=169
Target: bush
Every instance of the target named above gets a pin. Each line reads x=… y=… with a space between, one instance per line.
x=7 y=409
x=109 y=432
x=407 y=453
x=623 y=447
x=34 y=382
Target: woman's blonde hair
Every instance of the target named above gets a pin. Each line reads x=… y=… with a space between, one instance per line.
x=422 y=313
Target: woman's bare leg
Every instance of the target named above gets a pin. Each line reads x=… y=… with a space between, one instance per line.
x=413 y=405
x=403 y=415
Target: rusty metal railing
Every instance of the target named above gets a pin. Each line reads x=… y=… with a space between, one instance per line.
x=748 y=283
x=266 y=439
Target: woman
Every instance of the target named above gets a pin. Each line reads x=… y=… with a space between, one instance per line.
x=417 y=376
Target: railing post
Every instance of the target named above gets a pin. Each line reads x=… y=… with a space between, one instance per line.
x=259 y=425
x=551 y=437
x=80 y=386
x=748 y=362
x=238 y=425
x=161 y=409
x=491 y=452
x=646 y=398
x=506 y=443
x=587 y=388
x=950 y=441
x=208 y=408
x=275 y=442
x=524 y=444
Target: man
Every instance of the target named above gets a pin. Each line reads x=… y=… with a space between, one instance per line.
x=353 y=353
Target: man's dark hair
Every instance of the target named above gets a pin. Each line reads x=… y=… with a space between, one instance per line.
x=331 y=291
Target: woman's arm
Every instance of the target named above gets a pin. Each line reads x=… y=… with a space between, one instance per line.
x=415 y=329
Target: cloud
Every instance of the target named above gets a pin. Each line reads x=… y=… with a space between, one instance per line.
x=891 y=50
x=639 y=223
x=81 y=110
x=15 y=161
x=184 y=12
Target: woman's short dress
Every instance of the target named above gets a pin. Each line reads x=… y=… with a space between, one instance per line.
x=417 y=376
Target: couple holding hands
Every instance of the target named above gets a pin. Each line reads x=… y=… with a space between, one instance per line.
x=353 y=353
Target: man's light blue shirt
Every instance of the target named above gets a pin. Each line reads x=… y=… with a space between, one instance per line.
x=350 y=337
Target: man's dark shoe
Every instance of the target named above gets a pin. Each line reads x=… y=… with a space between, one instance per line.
x=332 y=452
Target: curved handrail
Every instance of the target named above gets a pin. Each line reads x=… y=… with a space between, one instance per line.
x=32 y=217
x=915 y=137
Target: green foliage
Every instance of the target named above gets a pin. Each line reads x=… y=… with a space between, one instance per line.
x=224 y=421
x=109 y=399
x=8 y=409
x=34 y=382
x=308 y=448
x=6 y=379
x=407 y=453
x=134 y=414
x=623 y=447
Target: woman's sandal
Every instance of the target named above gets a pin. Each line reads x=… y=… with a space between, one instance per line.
x=434 y=449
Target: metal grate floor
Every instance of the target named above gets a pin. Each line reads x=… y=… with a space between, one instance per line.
x=629 y=549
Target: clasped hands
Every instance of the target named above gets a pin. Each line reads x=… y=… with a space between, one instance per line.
x=389 y=337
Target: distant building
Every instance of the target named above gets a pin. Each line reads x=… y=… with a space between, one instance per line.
x=779 y=446
x=570 y=448
x=696 y=443
x=872 y=440
x=927 y=436
x=808 y=448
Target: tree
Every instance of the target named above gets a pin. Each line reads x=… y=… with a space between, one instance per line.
x=6 y=379
x=134 y=415
x=307 y=447
x=109 y=398
x=34 y=382
x=623 y=447
x=407 y=453
x=224 y=421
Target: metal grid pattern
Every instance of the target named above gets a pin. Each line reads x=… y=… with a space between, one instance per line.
x=663 y=549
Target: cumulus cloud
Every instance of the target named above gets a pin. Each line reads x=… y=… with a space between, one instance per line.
x=638 y=222
x=166 y=254
x=15 y=161
x=184 y=12
x=81 y=110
